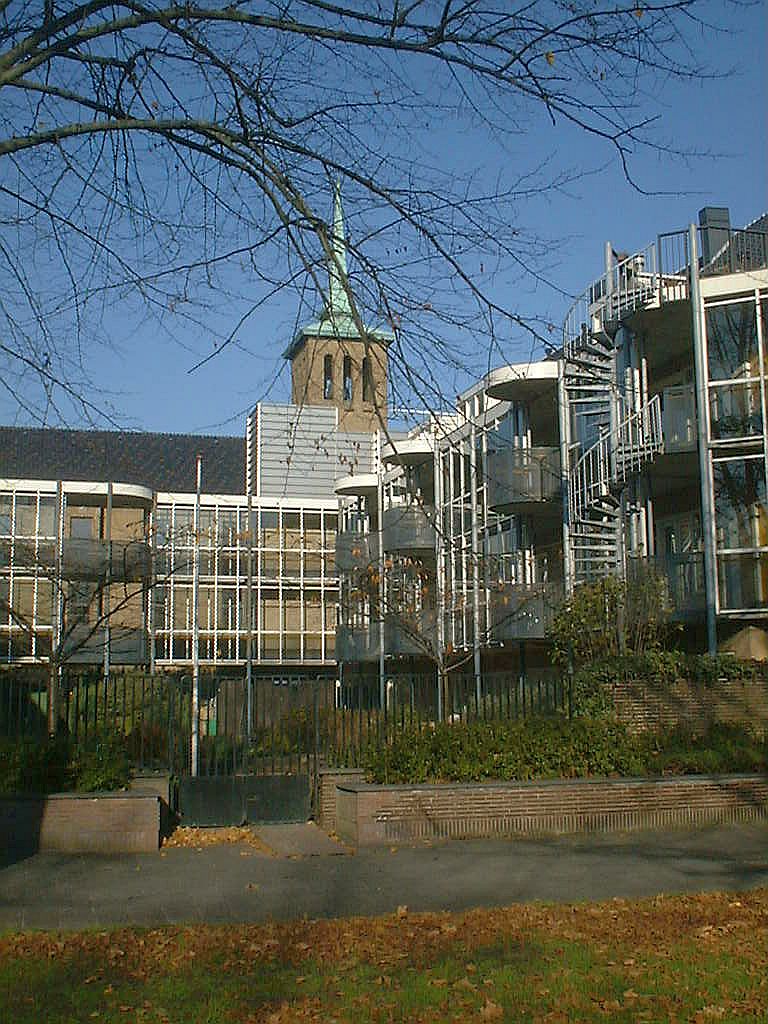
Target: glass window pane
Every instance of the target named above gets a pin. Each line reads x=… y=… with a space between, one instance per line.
x=735 y=411
x=81 y=527
x=47 y=516
x=732 y=341
x=329 y=522
x=740 y=506
x=26 y=514
x=743 y=581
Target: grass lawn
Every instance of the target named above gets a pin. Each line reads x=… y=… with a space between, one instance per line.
x=698 y=959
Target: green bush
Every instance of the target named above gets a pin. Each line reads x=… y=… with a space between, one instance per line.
x=531 y=748
x=594 y=681
x=59 y=765
x=541 y=748
x=99 y=762
x=722 y=748
x=612 y=617
x=30 y=766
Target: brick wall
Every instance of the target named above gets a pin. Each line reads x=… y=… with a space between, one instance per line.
x=325 y=803
x=647 y=706
x=368 y=815
x=68 y=823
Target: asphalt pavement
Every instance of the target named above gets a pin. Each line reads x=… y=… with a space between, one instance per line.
x=311 y=876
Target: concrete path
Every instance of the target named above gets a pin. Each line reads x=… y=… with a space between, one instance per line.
x=305 y=840
x=238 y=884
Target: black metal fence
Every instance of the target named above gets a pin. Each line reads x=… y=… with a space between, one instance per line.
x=277 y=726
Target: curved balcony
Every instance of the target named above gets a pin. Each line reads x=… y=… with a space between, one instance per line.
x=409 y=528
x=523 y=611
x=404 y=636
x=356 y=550
x=357 y=643
x=358 y=485
x=522 y=382
x=411 y=635
x=127 y=560
x=523 y=479
x=409 y=451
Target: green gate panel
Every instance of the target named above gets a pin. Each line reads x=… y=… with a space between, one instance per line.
x=212 y=800
x=278 y=798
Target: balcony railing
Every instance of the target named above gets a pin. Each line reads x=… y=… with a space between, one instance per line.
x=678 y=419
x=659 y=274
x=89 y=559
x=84 y=645
x=523 y=476
x=740 y=252
x=407 y=635
x=356 y=550
x=409 y=528
x=684 y=576
x=357 y=643
x=524 y=611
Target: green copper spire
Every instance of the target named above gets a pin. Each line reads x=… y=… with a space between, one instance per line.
x=337 y=307
x=336 y=320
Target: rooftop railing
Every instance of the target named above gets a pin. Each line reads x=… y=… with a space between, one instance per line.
x=659 y=274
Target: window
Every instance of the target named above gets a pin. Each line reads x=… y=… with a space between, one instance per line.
x=328 y=376
x=5 y=515
x=367 y=380
x=81 y=527
x=732 y=341
x=26 y=511
x=347 y=378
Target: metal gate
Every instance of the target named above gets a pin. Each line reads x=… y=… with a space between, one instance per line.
x=257 y=751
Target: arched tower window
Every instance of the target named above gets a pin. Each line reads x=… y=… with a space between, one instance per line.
x=328 y=376
x=347 y=378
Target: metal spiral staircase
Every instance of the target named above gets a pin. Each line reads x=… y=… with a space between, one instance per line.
x=628 y=439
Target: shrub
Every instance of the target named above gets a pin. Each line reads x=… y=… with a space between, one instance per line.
x=59 y=765
x=612 y=617
x=540 y=748
x=723 y=747
x=531 y=748
x=99 y=762
x=593 y=682
x=29 y=766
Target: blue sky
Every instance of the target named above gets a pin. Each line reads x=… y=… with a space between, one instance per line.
x=720 y=122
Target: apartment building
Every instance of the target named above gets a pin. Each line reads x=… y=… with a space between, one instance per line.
x=159 y=550
x=639 y=445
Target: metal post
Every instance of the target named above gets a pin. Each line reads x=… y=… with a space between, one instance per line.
x=475 y=566
x=195 y=752
x=439 y=583
x=609 y=282
x=563 y=415
x=249 y=613
x=382 y=590
x=54 y=680
x=149 y=601
x=702 y=426
x=107 y=595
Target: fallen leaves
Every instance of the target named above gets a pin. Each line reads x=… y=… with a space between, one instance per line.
x=201 y=838
x=630 y=943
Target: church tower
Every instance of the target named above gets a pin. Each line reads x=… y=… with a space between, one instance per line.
x=333 y=363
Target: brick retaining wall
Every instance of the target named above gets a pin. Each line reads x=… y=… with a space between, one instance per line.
x=75 y=823
x=325 y=803
x=645 y=706
x=370 y=815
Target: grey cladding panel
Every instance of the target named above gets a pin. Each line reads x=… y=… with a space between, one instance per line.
x=302 y=453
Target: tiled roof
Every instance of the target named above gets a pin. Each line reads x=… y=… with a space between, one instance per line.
x=162 y=462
